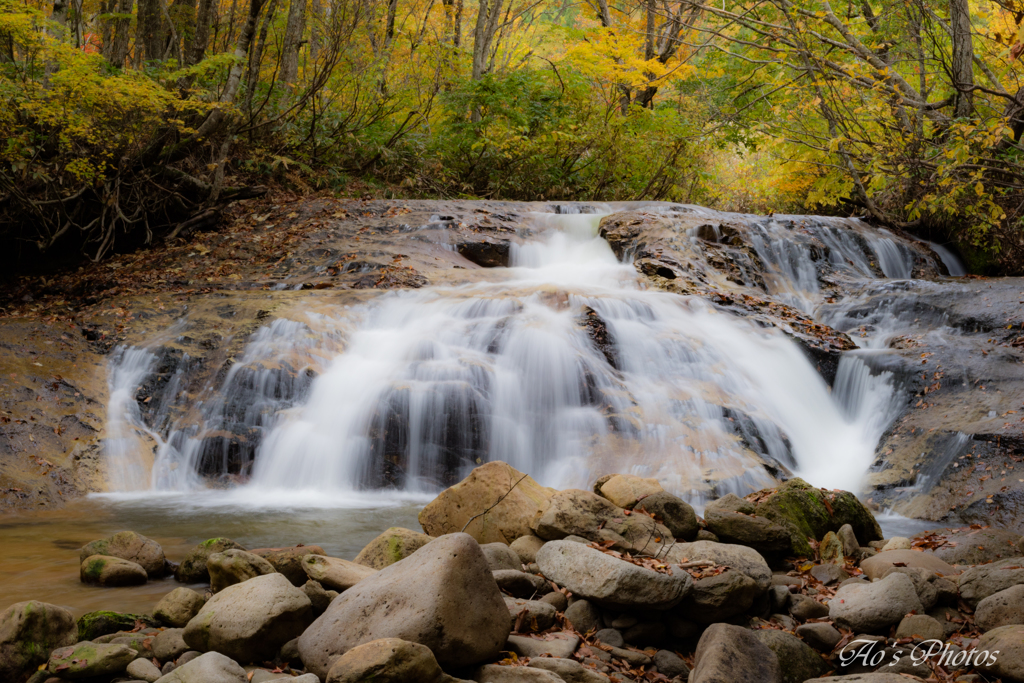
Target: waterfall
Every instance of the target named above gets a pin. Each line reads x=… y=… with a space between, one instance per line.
x=125 y=446
x=564 y=364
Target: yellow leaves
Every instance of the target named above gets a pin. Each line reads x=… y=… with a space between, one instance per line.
x=979 y=189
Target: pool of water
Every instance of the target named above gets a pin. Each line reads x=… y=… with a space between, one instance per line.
x=40 y=558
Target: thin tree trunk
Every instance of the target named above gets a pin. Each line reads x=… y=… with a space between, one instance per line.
x=119 y=41
x=963 y=56
x=292 y=42
x=150 y=33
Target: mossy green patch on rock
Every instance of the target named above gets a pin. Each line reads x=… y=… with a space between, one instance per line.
x=193 y=568
x=391 y=546
x=96 y=624
x=28 y=632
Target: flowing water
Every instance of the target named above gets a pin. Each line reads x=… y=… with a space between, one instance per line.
x=565 y=364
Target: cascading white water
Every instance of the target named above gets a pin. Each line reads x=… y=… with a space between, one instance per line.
x=124 y=446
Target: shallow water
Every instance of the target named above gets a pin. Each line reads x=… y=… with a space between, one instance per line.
x=40 y=558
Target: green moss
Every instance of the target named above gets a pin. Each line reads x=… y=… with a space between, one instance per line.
x=92 y=569
x=96 y=624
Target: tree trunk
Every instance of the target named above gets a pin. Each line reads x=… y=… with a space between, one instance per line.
x=60 y=12
x=292 y=42
x=150 y=32
x=195 y=46
x=314 y=32
x=963 y=56
x=117 y=45
x=483 y=35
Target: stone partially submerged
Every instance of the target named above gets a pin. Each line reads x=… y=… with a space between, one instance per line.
x=130 y=546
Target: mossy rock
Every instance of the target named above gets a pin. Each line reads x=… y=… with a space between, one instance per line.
x=28 y=632
x=391 y=546
x=193 y=568
x=96 y=624
x=104 y=570
x=811 y=513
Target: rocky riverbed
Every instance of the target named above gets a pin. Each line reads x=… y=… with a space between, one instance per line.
x=517 y=582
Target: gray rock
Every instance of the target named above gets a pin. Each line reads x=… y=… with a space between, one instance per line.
x=556 y=600
x=179 y=606
x=193 y=568
x=977 y=583
x=250 y=621
x=495 y=673
x=787 y=622
x=851 y=546
x=442 y=596
x=975 y=546
x=28 y=632
x=876 y=566
x=561 y=645
x=646 y=633
x=390 y=546
x=235 y=566
x=609 y=581
x=128 y=545
x=144 y=670
x=568 y=670
x=821 y=636
x=829 y=573
x=705 y=535
x=797 y=661
x=731 y=519
x=526 y=548
x=675 y=513
x=288 y=561
x=318 y=598
x=389 y=660
x=584 y=616
x=188 y=657
x=1008 y=641
x=875 y=606
x=169 y=644
x=520 y=584
x=530 y=615
x=738 y=557
x=335 y=573
x=717 y=598
x=949 y=617
x=920 y=627
x=1001 y=609
x=610 y=636
x=925 y=583
x=212 y=667
x=778 y=598
x=670 y=664
x=586 y=514
x=88 y=659
x=105 y=570
x=499 y=556
x=727 y=654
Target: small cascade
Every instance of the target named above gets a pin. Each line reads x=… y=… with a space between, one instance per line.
x=125 y=446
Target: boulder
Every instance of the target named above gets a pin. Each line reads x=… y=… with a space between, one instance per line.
x=29 y=631
x=106 y=570
x=972 y=546
x=526 y=548
x=143 y=670
x=727 y=653
x=235 y=566
x=88 y=659
x=797 y=661
x=178 y=607
x=920 y=627
x=288 y=561
x=675 y=513
x=570 y=670
x=169 y=644
x=388 y=660
x=510 y=500
x=442 y=596
x=250 y=621
x=556 y=600
x=897 y=543
x=558 y=644
x=819 y=635
x=530 y=615
x=335 y=573
x=212 y=667
x=812 y=512
x=193 y=568
x=500 y=556
x=720 y=597
x=1001 y=609
x=96 y=624
x=520 y=584
x=876 y=565
x=977 y=583
x=130 y=546
x=829 y=573
x=670 y=664
x=584 y=616
x=868 y=608
x=495 y=673
x=851 y=545
x=608 y=581
x=574 y=512
x=1008 y=665
x=804 y=607
x=391 y=546
x=626 y=490
x=738 y=557
x=927 y=584
x=318 y=598
x=759 y=533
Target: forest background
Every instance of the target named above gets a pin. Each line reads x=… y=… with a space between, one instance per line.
x=127 y=122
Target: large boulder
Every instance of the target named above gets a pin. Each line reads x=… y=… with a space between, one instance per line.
x=812 y=512
x=676 y=514
x=288 y=561
x=506 y=500
x=442 y=596
x=575 y=512
x=335 y=573
x=213 y=667
x=391 y=546
x=193 y=568
x=727 y=653
x=977 y=583
x=738 y=557
x=626 y=490
x=732 y=519
x=971 y=546
x=388 y=660
x=871 y=607
x=87 y=660
x=609 y=581
x=797 y=661
x=719 y=597
x=877 y=565
x=1008 y=664
x=130 y=546
x=29 y=631
x=95 y=624
x=1001 y=609
x=235 y=566
x=106 y=570
x=250 y=621
x=179 y=606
